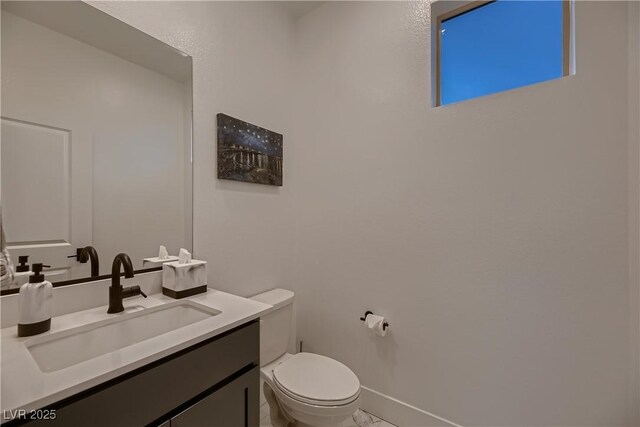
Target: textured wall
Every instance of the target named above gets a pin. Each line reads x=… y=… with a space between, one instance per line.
x=634 y=209
x=242 y=66
x=492 y=233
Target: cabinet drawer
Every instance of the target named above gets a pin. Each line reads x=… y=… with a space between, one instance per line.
x=147 y=394
x=235 y=404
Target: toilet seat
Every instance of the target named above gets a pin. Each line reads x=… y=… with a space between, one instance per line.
x=316 y=380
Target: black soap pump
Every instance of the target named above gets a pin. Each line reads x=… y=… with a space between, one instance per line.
x=36 y=304
x=22 y=271
x=22 y=264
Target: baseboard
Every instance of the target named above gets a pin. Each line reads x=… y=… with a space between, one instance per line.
x=399 y=413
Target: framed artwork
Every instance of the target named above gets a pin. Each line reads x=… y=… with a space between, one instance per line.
x=248 y=152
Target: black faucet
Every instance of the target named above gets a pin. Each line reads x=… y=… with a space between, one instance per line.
x=89 y=252
x=116 y=292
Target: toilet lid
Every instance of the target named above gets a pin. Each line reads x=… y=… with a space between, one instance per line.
x=317 y=379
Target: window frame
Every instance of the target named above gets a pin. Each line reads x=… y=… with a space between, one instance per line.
x=468 y=6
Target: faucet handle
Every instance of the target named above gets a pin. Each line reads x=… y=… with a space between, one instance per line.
x=135 y=290
x=77 y=255
x=132 y=291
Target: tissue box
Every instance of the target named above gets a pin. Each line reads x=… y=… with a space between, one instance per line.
x=157 y=262
x=184 y=280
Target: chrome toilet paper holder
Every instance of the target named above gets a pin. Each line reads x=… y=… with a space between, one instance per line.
x=385 y=325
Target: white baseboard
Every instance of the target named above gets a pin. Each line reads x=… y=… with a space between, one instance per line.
x=399 y=413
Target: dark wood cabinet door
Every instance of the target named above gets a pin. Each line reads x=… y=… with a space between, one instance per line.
x=234 y=405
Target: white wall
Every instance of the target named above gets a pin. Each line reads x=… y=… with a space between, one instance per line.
x=127 y=137
x=634 y=209
x=242 y=66
x=492 y=233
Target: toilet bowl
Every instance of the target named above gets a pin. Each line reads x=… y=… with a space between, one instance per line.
x=312 y=389
x=303 y=389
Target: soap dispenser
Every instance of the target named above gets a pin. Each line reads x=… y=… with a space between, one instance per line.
x=22 y=271
x=22 y=266
x=36 y=304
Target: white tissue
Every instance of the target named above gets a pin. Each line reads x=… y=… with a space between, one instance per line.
x=162 y=253
x=184 y=257
x=376 y=324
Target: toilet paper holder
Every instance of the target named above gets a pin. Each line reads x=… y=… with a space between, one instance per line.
x=385 y=325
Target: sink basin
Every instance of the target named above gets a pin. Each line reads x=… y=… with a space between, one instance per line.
x=67 y=348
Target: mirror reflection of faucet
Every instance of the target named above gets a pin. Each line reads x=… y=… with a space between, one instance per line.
x=85 y=254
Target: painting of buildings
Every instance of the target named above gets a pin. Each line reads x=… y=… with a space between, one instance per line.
x=248 y=152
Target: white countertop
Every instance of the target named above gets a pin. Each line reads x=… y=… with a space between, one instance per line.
x=24 y=386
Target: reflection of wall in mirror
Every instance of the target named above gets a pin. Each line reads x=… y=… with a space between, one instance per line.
x=126 y=127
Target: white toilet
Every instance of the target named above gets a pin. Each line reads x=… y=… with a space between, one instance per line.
x=310 y=389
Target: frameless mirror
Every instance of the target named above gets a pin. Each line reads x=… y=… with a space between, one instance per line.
x=95 y=144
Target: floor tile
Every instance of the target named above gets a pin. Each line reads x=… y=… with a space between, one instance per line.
x=375 y=419
x=379 y=422
x=264 y=410
x=348 y=423
x=265 y=421
x=364 y=419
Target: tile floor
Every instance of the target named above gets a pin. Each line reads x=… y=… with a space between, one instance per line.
x=265 y=421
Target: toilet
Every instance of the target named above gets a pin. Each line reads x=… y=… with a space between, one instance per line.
x=303 y=389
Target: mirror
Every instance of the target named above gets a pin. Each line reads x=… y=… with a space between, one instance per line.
x=95 y=144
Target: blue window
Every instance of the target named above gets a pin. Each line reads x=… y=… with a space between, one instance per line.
x=489 y=47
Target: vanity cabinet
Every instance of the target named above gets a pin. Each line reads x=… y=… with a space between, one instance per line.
x=213 y=383
x=229 y=406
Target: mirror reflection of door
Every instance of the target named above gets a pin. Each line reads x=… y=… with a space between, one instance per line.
x=96 y=138
x=39 y=214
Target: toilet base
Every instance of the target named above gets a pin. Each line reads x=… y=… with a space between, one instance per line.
x=283 y=415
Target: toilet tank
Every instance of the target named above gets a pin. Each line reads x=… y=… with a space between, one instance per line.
x=276 y=325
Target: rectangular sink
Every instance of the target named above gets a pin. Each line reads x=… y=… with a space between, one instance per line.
x=67 y=348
